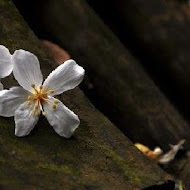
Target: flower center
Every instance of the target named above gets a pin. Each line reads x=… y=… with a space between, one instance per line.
x=40 y=97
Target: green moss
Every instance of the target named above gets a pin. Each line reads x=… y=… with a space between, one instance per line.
x=123 y=165
x=56 y=168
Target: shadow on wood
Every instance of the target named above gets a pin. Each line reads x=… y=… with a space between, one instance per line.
x=158 y=33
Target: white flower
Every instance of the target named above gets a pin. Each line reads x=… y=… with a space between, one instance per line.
x=26 y=103
x=6 y=65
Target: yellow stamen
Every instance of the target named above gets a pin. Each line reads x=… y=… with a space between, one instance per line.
x=38 y=98
x=50 y=91
x=37 y=114
x=33 y=85
x=56 y=101
x=44 y=113
x=54 y=106
x=29 y=98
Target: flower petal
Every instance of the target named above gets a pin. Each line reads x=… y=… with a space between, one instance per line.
x=27 y=69
x=24 y=119
x=6 y=65
x=63 y=120
x=1 y=86
x=65 y=77
x=11 y=99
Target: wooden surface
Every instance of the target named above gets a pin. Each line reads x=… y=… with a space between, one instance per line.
x=120 y=86
x=158 y=33
x=98 y=156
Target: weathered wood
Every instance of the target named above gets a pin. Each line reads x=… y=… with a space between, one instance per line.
x=121 y=87
x=158 y=32
x=182 y=171
x=97 y=157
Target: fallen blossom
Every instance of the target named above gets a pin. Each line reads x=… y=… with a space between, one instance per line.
x=153 y=154
x=170 y=155
x=34 y=96
x=157 y=153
